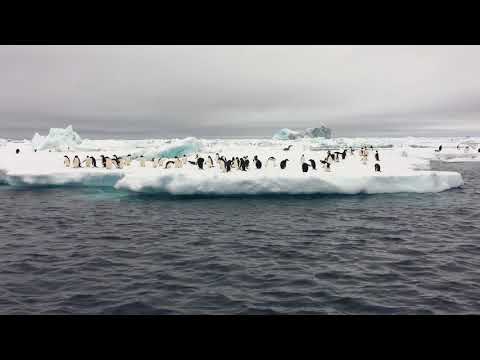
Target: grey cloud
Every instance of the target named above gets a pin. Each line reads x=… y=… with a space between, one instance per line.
x=245 y=90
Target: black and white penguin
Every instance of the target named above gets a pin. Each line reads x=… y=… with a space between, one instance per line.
x=66 y=161
x=271 y=160
x=94 y=162
x=283 y=164
x=247 y=163
x=228 y=165
x=170 y=164
x=305 y=167
x=258 y=164
x=104 y=160
x=313 y=165
x=200 y=162
x=287 y=148
x=377 y=157
x=17 y=151
x=88 y=162
x=76 y=162
x=242 y=164
x=210 y=161
x=344 y=154
x=439 y=148
x=377 y=167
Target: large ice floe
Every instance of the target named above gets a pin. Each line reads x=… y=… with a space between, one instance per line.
x=405 y=165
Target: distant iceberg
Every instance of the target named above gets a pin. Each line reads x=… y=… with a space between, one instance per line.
x=317 y=132
x=57 y=139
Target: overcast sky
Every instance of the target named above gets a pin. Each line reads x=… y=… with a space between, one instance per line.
x=161 y=91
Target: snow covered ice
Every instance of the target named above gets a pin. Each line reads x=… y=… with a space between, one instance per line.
x=404 y=164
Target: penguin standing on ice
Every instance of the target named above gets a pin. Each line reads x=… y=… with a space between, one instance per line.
x=377 y=167
x=66 y=161
x=283 y=164
x=17 y=151
x=377 y=157
x=313 y=165
x=258 y=163
x=169 y=164
x=109 y=163
x=210 y=161
x=271 y=160
x=76 y=162
x=178 y=162
x=242 y=164
x=247 y=162
x=200 y=162
x=228 y=165
x=88 y=162
x=305 y=167
x=344 y=154
x=94 y=162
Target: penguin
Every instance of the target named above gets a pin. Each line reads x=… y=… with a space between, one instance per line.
x=66 y=161
x=247 y=163
x=169 y=164
x=210 y=161
x=337 y=156
x=344 y=154
x=328 y=167
x=178 y=163
x=242 y=164
x=324 y=162
x=439 y=148
x=17 y=151
x=271 y=160
x=258 y=164
x=88 y=162
x=313 y=165
x=377 y=157
x=287 y=148
x=283 y=164
x=108 y=163
x=94 y=162
x=228 y=165
x=305 y=167
x=104 y=161
x=76 y=162
x=377 y=167
x=200 y=162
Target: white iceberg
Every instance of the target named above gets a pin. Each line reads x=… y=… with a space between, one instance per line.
x=57 y=139
x=317 y=132
x=350 y=176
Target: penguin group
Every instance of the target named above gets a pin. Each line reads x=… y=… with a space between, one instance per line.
x=226 y=165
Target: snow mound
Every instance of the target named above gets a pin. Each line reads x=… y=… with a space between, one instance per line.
x=318 y=132
x=57 y=139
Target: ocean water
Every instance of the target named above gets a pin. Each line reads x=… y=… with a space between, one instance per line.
x=99 y=251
